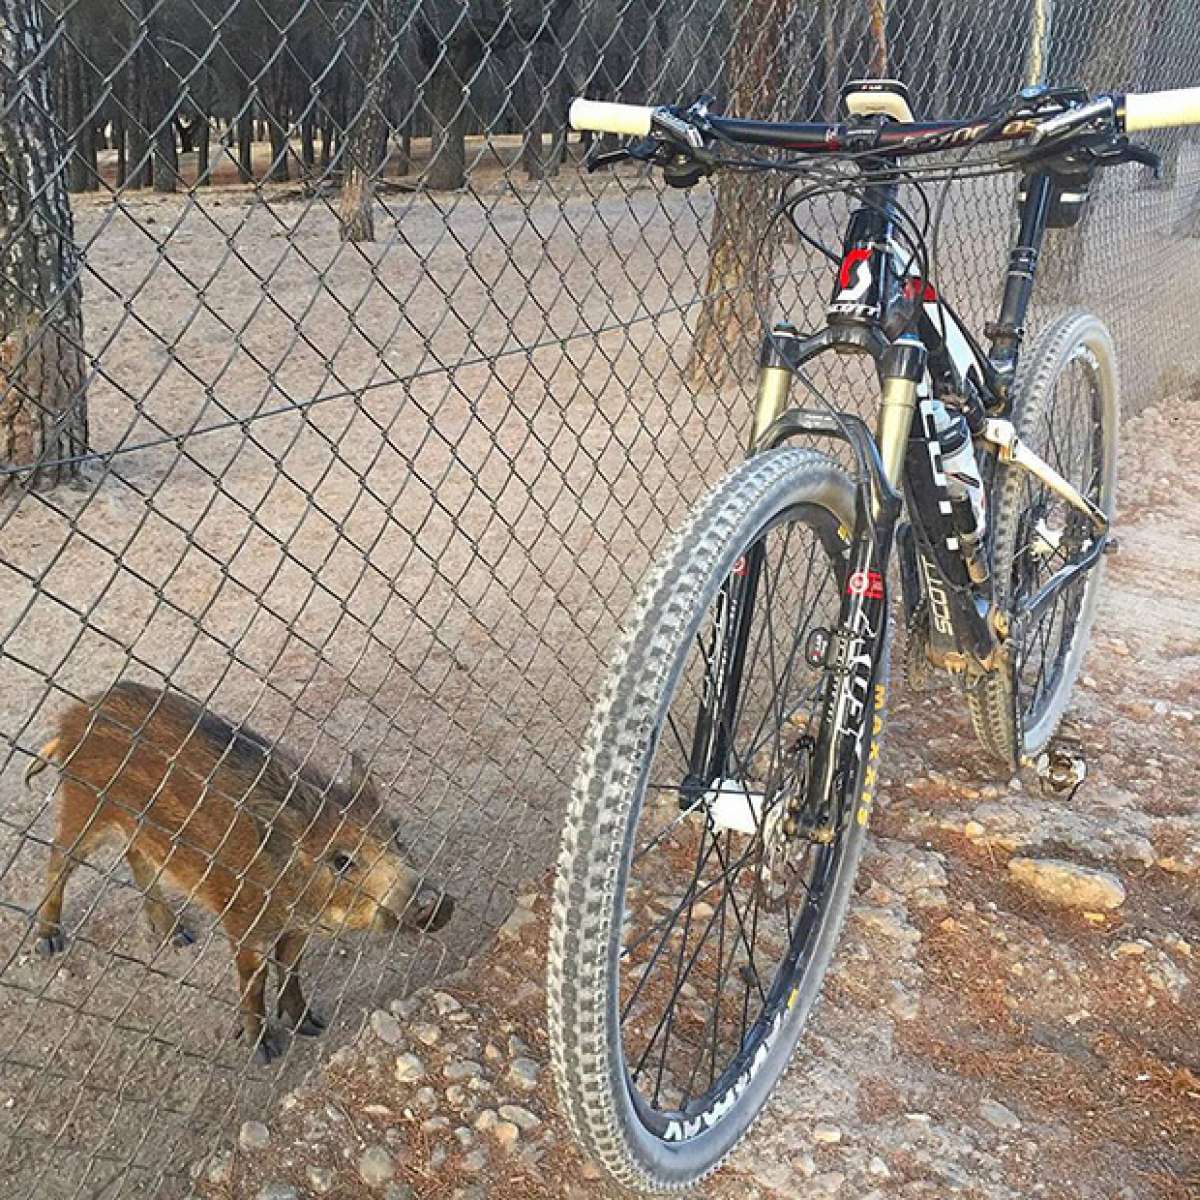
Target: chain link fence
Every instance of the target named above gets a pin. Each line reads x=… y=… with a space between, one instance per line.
x=338 y=400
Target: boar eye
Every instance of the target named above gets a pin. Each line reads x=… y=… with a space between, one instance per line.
x=342 y=863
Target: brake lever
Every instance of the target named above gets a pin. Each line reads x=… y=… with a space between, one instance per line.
x=643 y=150
x=1132 y=152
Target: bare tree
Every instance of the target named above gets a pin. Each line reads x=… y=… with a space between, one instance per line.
x=727 y=328
x=43 y=410
x=366 y=149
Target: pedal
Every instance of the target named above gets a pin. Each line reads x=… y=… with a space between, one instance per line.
x=1061 y=768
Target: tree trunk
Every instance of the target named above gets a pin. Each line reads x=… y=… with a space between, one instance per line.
x=829 y=60
x=43 y=403
x=81 y=173
x=879 y=46
x=160 y=120
x=727 y=329
x=308 y=150
x=279 y=172
x=366 y=148
x=530 y=93
x=122 y=152
x=447 y=168
x=203 y=178
x=245 y=139
x=326 y=144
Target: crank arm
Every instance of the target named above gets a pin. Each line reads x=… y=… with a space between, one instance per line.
x=1003 y=436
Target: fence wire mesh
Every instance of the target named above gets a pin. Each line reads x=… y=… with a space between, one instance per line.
x=338 y=400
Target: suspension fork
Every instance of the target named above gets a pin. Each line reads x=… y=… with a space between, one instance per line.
x=712 y=737
x=855 y=689
x=853 y=656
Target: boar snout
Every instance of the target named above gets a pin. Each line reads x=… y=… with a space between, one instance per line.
x=430 y=909
x=424 y=909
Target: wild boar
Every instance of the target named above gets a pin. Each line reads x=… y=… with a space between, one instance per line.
x=272 y=849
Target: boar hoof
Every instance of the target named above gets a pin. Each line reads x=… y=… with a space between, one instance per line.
x=310 y=1024
x=51 y=944
x=182 y=937
x=270 y=1046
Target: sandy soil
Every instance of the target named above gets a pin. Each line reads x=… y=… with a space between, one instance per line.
x=426 y=562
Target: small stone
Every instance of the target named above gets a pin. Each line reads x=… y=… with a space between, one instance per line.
x=522 y=1118
x=435 y=1124
x=973 y=829
x=398 y=1191
x=405 y=1008
x=375 y=1167
x=426 y=1034
x=828 y=1183
x=474 y=1162
x=278 y=1191
x=254 y=1135
x=386 y=1028
x=523 y=1073
x=506 y=1134
x=409 y=1068
x=485 y=1120
x=878 y=1167
x=220 y=1168
x=1069 y=884
x=995 y=1113
x=463 y=1136
x=829 y=1135
x=456 y=1095
x=444 y=1003
x=462 y=1070
x=320 y=1179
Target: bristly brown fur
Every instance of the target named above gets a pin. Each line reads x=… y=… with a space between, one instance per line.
x=229 y=820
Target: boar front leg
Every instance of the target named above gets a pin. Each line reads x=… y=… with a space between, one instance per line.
x=252 y=982
x=288 y=950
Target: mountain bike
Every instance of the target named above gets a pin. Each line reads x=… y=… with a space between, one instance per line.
x=727 y=779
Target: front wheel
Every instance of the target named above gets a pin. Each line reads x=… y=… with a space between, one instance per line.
x=1066 y=410
x=697 y=905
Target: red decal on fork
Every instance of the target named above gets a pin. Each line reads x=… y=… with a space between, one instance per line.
x=866 y=583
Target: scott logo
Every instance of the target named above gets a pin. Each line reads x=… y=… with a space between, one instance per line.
x=854 y=278
x=865 y=583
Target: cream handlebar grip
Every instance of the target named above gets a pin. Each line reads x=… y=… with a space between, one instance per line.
x=1159 y=110
x=603 y=116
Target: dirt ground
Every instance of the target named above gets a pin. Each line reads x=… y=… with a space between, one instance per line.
x=972 y=1041
x=390 y=497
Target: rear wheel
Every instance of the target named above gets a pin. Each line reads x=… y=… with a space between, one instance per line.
x=694 y=917
x=1066 y=410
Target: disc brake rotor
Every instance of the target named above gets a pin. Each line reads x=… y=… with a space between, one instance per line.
x=789 y=832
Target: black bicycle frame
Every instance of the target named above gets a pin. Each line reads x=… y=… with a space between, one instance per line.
x=871 y=314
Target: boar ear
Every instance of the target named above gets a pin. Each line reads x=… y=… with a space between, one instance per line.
x=362 y=784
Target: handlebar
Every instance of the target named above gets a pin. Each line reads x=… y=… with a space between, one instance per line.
x=1125 y=113
x=1162 y=110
